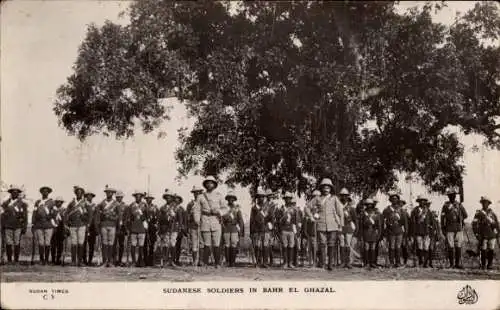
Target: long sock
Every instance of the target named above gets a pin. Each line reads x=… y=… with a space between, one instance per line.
x=47 y=253
x=195 y=258
x=348 y=256
x=450 y=256
x=141 y=256
x=424 y=258
x=206 y=255
x=330 y=257
x=458 y=256
x=104 y=254
x=41 y=253
x=216 y=253
x=120 y=250
x=391 y=256
x=91 y=250
x=73 y=254
x=374 y=257
x=405 y=254
x=227 y=252
x=490 y=254
x=290 y=256
x=8 y=249
x=132 y=253
x=397 y=258
x=110 y=254
x=429 y=254
x=17 y=250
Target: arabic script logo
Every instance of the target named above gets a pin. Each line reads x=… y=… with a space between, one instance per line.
x=467 y=296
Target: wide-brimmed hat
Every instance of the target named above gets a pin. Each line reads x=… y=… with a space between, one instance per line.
x=109 y=189
x=149 y=196
x=195 y=189
x=485 y=198
x=288 y=195
x=344 y=191
x=89 y=193
x=167 y=193
x=452 y=190
x=421 y=198
x=78 y=187
x=326 y=182
x=14 y=188
x=231 y=194
x=59 y=198
x=119 y=194
x=316 y=193
x=179 y=198
x=45 y=187
x=138 y=192
x=369 y=201
x=210 y=179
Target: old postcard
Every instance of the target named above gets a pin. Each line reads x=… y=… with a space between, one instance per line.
x=241 y=155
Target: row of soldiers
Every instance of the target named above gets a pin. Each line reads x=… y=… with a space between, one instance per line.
x=322 y=231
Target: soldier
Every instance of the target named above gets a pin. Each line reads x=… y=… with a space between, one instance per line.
x=278 y=210
x=288 y=224
x=406 y=234
x=211 y=203
x=421 y=221
x=152 y=231
x=183 y=232
x=14 y=222
x=92 y=230
x=453 y=215
x=121 y=230
x=433 y=234
x=395 y=226
x=310 y=230
x=297 y=249
x=137 y=226
x=170 y=224
x=487 y=229
x=371 y=225
x=43 y=221
x=57 y=240
x=108 y=218
x=76 y=217
x=193 y=224
x=330 y=221
x=349 y=227
x=262 y=222
x=233 y=228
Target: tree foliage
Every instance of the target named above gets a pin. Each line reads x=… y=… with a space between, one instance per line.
x=282 y=90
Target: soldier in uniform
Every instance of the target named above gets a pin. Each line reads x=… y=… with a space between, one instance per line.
x=121 y=230
x=297 y=249
x=262 y=222
x=330 y=222
x=274 y=203
x=406 y=234
x=57 y=240
x=233 y=228
x=152 y=231
x=170 y=224
x=288 y=225
x=108 y=218
x=487 y=229
x=395 y=226
x=76 y=217
x=92 y=230
x=183 y=232
x=310 y=230
x=433 y=234
x=44 y=221
x=349 y=228
x=193 y=224
x=14 y=222
x=453 y=215
x=371 y=225
x=421 y=222
x=210 y=204
x=137 y=226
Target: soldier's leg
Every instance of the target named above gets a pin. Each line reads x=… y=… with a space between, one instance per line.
x=490 y=253
x=104 y=251
x=48 y=237
x=121 y=245
x=207 y=244
x=173 y=248
x=178 y=247
x=348 y=239
x=195 y=246
x=216 y=237
x=17 y=244
x=322 y=248
x=112 y=241
x=397 y=249
x=404 y=250
x=133 y=243
x=419 y=249
x=330 y=249
x=458 y=239
x=367 y=254
x=235 y=241
x=427 y=243
x=53 y=247
x=450 y=242
x=141 y=241
x=227 y=246
x=391 y=245
x=92 y=236
x=38 y=235
x=257 y=246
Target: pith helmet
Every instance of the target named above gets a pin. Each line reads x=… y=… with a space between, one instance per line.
x=231 y=194
x=421 y=198
x=210 y=178
x=46 y=188
x=119 y=194
x=451 y=191
x=167 y=193
x=178 y=198
x=78 y=187
x=59 y=198
x=195 y=189
x=485 y=198
x=89 y=193
x=109 y=189
x=369 y=201
x=326 y=182
x=138 y=193
x=14 y=188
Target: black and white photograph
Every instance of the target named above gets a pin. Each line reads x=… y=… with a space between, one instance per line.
x=286 y=144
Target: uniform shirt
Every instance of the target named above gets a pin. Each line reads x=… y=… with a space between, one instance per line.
x=122 y=207
x=452 y=216
x=152 y=217
x=233 y=221
x=331 y=215
x=210 y=205
x=260 y=218
x=395 y=221
x=15 y=214
x=170 y=219
x=350 y=219
x=421 y=221
x=93 y=216
x=193 y=215
x=485 y=224
x=288 y=219
x=137 y=217
x=371 y=225
x=43 y=216
x=76 y=214
x=109 y=214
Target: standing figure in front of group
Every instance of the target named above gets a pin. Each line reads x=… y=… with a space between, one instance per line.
x=170 y=224
x=487 y=230
x=453 y=215
x=108 y=218
x=137 y=226
x=183 y=232
x=59 y=234
x=421 y=225
x=288 y=225
x=14 y=222
x=262 y=222
x=349 y=228
x=311 y=215
x=152 y=230
x=193 y=219
x=330 y=222
x=92 y=230
x=77 y=217
x=210 y=204
x=395 y=226
x=121 y=231
x=297 y=249
x=371 y=225
x=407 y=234
x=234 y=229
x=44 y=221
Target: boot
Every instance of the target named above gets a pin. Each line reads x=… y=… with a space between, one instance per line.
x=216 y=253
x=405 y=254
x=368 y=258
x=321 y=257
x=490 y=254
x=111 y=256
x=425 y=258
x=120 y=252
x=79 y=255
x=73 y=255
x=17 y=250
x=330 y=257
x=365 y=258
x=391 y=257
x=104 y=255
x=41 y=252
x=458 y=256
x=47 y=253
x=178 y=245
x=374 y=256
x=285 y=258
x=257 y=257
x=419 y=256
x=234 y=253
x=140 y=258
x=397 y=258
x=195 y=258
x=348 y=257
x=227 y=252
x=450 y=257
x=290 y=258
x=483 y=255
x=264 y=254
x=173 y=257
x=206 y=255
x=295 y=256
x=430 y=258
x=132 y=253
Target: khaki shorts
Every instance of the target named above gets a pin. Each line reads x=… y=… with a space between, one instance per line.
x=231 y=239
x=395 y=242
x=137 y=239
x=329 y=238
x=43 y=236
x=196 y=241
x=12 y=236
x=288 y=239
x=455 y=239
x=108 y=235
x=345 y=240
x=168 y=239
x=423 y=242
x=261 y=239
x=488 y=244
x=77 y=235
x=211 y=238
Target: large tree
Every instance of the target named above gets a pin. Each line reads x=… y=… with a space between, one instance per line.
x=283 y=90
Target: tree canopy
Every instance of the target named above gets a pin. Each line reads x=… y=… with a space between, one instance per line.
x=355 y=91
